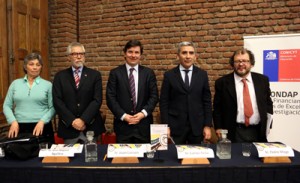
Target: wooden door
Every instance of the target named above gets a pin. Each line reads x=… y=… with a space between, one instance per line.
x=29 y=31
x=3 y=58
x=24 y=29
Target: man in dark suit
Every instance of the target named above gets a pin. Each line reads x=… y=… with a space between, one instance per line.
x=77 y=98
x=229 y=111
x=132 y=96
x=185 y=100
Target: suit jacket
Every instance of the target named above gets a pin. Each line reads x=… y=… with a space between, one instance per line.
x=225 y=103
x=179 y=104
x=119 y=101
x=84 y=102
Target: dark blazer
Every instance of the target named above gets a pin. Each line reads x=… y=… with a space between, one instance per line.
x=225 y=103
x=84 y=102
x=179 y=104
x=118 y=98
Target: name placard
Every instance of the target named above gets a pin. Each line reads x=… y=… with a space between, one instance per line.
x=51 y=153
x=273 y=150
x=126 y=150
x=67 y=150
x=189 y=151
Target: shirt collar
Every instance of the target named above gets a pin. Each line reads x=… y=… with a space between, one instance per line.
x=80 y=69
x=238 y=78
x=182 y=68
x=37 y=80
x=136 y=67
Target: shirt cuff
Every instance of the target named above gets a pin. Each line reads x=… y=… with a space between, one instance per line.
x=144 y=112
x=123 y=116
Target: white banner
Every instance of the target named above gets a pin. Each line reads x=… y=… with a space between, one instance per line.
x=278 y=57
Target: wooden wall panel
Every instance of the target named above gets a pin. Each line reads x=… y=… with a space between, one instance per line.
x=30 y=33
x=23 y=29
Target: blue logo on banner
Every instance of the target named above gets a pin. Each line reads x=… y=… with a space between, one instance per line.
x=271 y=63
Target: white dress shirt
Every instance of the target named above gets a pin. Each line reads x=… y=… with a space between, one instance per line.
x=183 y=73
x=136 y=81
x=135 y=74
x=240 y=118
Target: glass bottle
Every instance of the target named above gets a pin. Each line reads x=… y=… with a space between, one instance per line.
x=91 y=154
x=2 y=153
x=224 y=146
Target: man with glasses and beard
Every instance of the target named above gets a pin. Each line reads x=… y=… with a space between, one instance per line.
x=77 y=98
x=242 y=101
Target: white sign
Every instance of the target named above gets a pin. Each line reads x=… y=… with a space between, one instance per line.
x=61 y=150
x=159 y=136
x=278 y=57
x=51 y=153
x=126 y=150
x=75 y=148
x=273 y=150
x=189 y=151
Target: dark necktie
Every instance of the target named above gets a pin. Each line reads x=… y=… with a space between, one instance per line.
x=76 y=77
x=248 y=111
x=186 y=78
x=132 y=88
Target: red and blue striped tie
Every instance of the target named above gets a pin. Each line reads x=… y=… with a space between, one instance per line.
x=76 y=77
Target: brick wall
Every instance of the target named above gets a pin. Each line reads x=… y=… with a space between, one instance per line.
x=217 y=28
x=63 y=30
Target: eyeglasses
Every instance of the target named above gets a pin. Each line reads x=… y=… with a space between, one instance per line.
x=77 y=54
x=241 y=61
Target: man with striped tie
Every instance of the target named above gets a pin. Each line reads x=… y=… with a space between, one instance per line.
x=132 y=95
x=77 y=98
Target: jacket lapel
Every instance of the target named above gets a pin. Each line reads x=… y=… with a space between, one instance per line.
x=179 y=78
x=231 y=87
x=194 y=78
x=124 y=76
x=141 y=85
x=71 y=77
x=256 y=82
x=83 y=78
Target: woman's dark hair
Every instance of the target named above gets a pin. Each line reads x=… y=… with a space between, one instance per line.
x=32 y=56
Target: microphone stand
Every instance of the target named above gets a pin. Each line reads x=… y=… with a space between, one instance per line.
x=158 y=159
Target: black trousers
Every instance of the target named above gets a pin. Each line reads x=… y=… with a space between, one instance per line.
x=187 y=136
x=247 y=134
x=134 y=137
x=47 y=131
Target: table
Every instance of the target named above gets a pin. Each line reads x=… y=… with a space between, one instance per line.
x=237 y=169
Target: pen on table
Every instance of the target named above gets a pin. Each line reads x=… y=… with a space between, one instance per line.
x=104 y=157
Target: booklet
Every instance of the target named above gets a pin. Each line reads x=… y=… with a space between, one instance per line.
x=159 y=136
